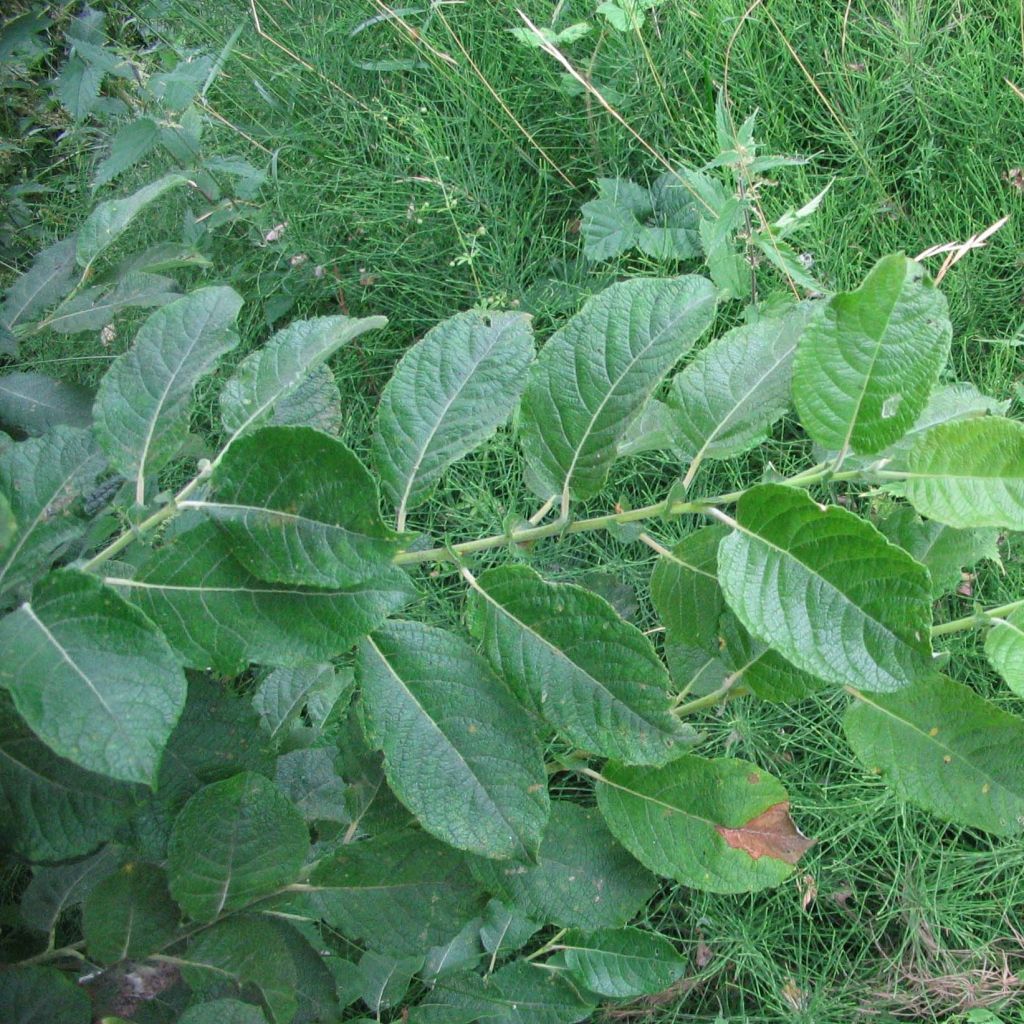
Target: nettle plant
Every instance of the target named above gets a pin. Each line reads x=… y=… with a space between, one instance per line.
x=273 y=792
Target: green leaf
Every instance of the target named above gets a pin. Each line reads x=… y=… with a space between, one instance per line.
x=316 y=402
x=459 y=751
x=142 y=407
x=35 y=403
x=131 y=143
x=505 y=929
x=233 y=842
x=314 y=983
x=54 y=890
x=110 y=219
x=43 y=479
x=764 y=671
x=310 y=780
x=217 y=736
x=520 y=993
x=130 y=913
x=460 y=952
x=386 y=979
x=92 y=677
x=216 y=614
x=277 y=371
x=52 y=275
x=398 y=894
x=1004 y=648
x=223 y=1011
x=247 y=951
x=718 y=825
x=78 y=86
x=175 y=89
x=736 y=388
x=969 y=473
x=652 y=430
x=94 y=308
x=567 y=653
x=582 y=878
x=865 y=367
x=284 y=694
x=685 y=590
x=42 y=995
x=705 y=643
x=608 y=228
x=827 y=591
x=942 y=747
x=53 y=810
x=942 y=550
x=450 y=392
x=595 y=374
x=622 y=963
x=298 y=507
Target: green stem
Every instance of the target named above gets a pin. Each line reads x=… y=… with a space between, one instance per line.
x=727 y=690
x=161 y=515
x=54 y=954
x=668 y=507
x=982 y=618
x=547 y=947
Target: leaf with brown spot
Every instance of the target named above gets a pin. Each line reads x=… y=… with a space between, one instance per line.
x=770 y=834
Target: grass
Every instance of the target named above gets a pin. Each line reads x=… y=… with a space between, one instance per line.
x=456 y=178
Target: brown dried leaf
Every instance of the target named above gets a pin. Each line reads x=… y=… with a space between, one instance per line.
x=771 y=834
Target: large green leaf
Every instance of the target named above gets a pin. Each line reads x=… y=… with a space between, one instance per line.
x=827 y=590
x=865 y=367
x=316 y=402
x=35 y=403
x=399 y=893
x=44 y=479
x=622 y=963
x=504 y=929
x=299 y=507
x=110 y=219
x=942 y=550
x=42 y=995
x=582 y=877
x=55 y=889
x=131 y=143
x=566 y=652
x=94 y=308
x=969 y=473
x=142 y=407
x=234 y=841
x=247 y=951
x=595 y=374
x=129 y=913
x=92 y=677
x=449 y=393
x=52 y=809
x=275 y=372
x=520 y=993
x=719 y=825
x=459 y=751
x=216 y=614
x=942 y=747
x=737 y=387
x=1004 y=647
x=51 y=276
